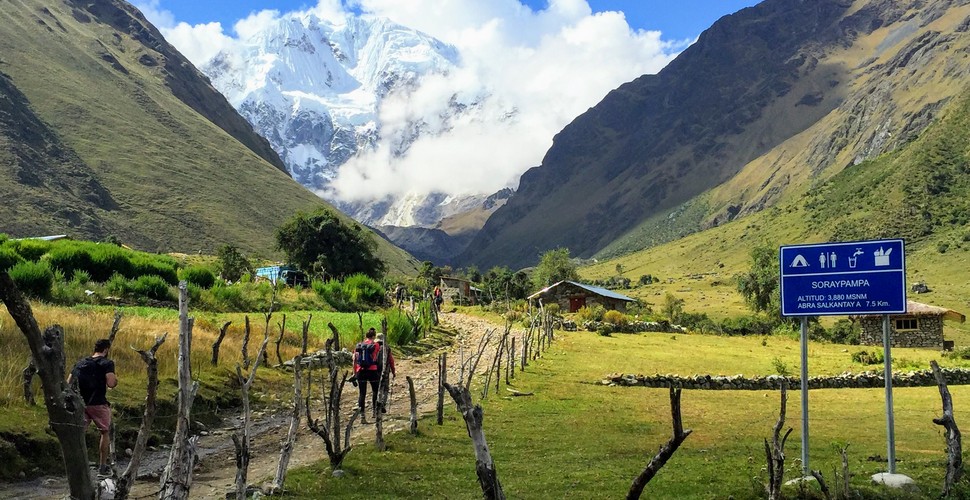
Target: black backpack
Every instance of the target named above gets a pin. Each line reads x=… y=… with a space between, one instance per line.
x=367 y=356
x=84 y=376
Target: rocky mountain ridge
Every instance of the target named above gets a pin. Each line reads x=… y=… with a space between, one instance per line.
x=768 y=101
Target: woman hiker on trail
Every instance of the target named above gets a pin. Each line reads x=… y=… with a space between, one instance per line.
x=368 y=369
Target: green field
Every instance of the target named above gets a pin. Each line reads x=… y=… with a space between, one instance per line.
x=577 y=439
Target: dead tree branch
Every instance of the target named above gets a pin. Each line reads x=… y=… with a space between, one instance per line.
x=115 y=326
x=442 y=379
x=127 y=478
x=176 y=479
x=245 y=345
x=775 y=452
x=279 y=340
x=218 y=342
x=954 y=448
x=666 y=451
x=286 y=447
x=65 y=408
x=484 y=466
x=821 y=484
x=329 y=431
x=413 y=421
x=29 y=373
x=242 y=439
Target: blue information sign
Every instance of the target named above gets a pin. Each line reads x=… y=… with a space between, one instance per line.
x=827 y=279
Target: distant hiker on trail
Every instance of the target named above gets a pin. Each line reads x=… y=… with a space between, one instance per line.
x=367 y=368
x=399 y=294
x=438 y=299
x=94 y=375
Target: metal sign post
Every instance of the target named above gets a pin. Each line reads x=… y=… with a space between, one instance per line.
x=850 y=278
x=890 y=424
x=806 y=471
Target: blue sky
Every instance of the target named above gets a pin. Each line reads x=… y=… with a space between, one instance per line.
x=677 y=20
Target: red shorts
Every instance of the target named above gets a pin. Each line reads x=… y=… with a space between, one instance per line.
x=100 y=415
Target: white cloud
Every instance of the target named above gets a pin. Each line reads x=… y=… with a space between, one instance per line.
x=541 y=69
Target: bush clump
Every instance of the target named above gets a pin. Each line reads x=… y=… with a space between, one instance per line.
x=69 y=259
x=200 y=276
x=34 y=279
x=402 y=329
x=362 y=291
x=145 y=265
x=587 y=313
x=9 y=258
x=153 y=287
x=31 y=250
x=868 y=357
x=617 y=319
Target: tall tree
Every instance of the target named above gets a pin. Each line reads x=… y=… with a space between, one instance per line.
x=321 y=243
x=759 y=286
x=554 y=266
x=232 y=263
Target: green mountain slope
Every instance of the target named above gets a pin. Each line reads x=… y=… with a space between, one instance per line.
x=106 y=129
x=919 y=192
x=767 y=103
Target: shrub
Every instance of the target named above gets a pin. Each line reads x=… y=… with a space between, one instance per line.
x=229 y=298
x=604 y=330
x=31 y=250
x=34 y=279
x=72 y=292
x=961 y=353
x=117 y=285
x=943 y=247
x=332 y=292
x=70 y=258
x=552 y=309
x=107 y=259
x=587 y=313
x=402 y=329
x=867 y=357
x=198 y=275
x=80 y=277
x=146 y=265
x=781 y=368
x=362 y=291
x=845 y=332
x=747 y=325
x=617 y=319
x=9 y=258
x=513 y=315
x=153 y=287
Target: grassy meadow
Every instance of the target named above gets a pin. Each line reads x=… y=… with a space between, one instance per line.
x=577 y=439
x=28 y=448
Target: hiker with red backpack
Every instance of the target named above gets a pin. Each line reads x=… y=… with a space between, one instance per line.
x=368 y=367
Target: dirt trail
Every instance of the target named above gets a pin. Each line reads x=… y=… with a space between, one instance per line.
x=216 y=471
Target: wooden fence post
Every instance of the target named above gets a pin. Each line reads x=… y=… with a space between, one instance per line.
x=176 y=479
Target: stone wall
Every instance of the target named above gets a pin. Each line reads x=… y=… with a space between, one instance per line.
x=928 y=334
x=864 y=380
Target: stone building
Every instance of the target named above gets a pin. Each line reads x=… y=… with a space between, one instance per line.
x=571 y=296
x=921 y=326
x=458 y=291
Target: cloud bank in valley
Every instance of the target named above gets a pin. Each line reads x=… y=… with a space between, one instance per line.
x=538 y=69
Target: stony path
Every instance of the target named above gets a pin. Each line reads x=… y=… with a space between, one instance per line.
x=215 y=476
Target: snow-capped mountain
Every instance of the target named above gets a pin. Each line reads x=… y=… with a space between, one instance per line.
x=315 y=89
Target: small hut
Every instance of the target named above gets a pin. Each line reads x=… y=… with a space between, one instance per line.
x=921 y=326
x=572 y=296
x=458 y=290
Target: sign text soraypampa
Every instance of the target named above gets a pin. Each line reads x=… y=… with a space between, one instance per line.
x=859 y=277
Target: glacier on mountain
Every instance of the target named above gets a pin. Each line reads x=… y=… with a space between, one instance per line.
x=315 y=89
